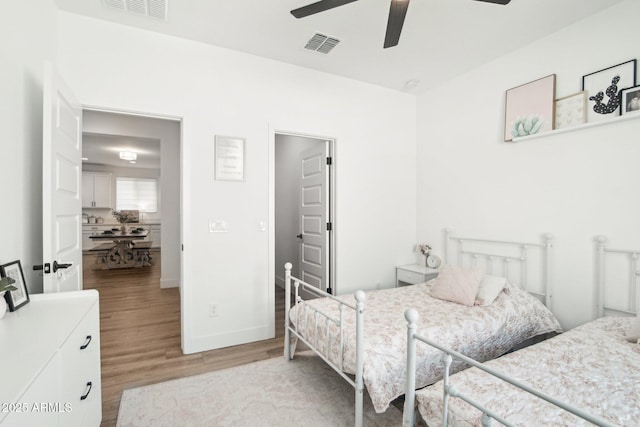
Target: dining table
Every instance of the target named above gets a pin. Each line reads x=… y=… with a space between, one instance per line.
x=124 y=253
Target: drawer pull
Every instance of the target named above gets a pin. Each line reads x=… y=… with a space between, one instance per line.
x=86 y=344
x=90 y=385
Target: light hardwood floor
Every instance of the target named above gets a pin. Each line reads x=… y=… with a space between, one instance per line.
x=140 y=334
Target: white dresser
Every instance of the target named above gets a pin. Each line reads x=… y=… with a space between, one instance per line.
x=50 y=357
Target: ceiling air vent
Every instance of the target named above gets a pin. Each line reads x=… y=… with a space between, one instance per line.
x=152 y=8
x=321 y=43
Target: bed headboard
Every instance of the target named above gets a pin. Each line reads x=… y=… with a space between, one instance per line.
x=525 y=264
x=616 y=266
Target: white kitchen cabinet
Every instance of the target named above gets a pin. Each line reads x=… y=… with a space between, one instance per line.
x=96 y=190
x=155 y=236
x=52 y=346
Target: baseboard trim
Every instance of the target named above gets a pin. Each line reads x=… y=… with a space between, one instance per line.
x=169 y=283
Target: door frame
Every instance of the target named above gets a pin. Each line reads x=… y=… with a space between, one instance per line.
x=332 y=217
x=184 y=324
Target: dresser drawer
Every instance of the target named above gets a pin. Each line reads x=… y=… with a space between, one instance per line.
x=80 y=373
x=410 y=277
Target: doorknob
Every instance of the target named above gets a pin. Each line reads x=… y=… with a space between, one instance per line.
x=299 y=236
x=57 y=266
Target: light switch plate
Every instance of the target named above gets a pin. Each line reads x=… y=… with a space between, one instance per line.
x=218 y=226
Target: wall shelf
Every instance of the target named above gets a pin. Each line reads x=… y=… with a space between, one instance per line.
x=618 y=119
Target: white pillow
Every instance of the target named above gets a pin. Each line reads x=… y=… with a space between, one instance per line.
x=633 y=334
x=457 y=284
x=489 y=289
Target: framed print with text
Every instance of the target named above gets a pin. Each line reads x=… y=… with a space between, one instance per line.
x=229 y=158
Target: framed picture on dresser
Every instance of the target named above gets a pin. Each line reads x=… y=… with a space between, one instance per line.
x=19 y=297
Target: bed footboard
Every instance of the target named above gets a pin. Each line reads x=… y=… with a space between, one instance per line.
x=450 y=390
x=291 y=332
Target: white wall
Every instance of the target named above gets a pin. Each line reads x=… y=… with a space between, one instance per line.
x=287 y=176
x=27 y=39
x=574 y=185
x=217 y=91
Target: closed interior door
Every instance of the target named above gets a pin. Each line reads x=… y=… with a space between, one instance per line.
x=313 y=216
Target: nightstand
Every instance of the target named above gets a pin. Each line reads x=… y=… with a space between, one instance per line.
x=412 y=274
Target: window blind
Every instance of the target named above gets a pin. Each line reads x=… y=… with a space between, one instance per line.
x=137 y=193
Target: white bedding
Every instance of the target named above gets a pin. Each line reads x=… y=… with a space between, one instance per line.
x=481 y=332
x=591 y=367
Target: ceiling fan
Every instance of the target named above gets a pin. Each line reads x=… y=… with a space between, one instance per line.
x=397 y=12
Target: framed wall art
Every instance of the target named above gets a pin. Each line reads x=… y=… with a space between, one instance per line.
x=229 y=158
x=630 y=100
x=571 y=110
x=529 y=108
x=603 y=90
x=20 y=296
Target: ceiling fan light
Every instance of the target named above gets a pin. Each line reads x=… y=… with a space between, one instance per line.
x=128 y=155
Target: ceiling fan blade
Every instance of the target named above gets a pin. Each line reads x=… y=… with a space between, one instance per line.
x=317 y=7
x=502 y=2
x=397 y=12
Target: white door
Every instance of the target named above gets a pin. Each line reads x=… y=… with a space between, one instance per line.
x=61 y=188
x=313 y=217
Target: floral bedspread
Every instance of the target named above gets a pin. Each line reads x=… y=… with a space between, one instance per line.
x=591 y=367
x=482 y=333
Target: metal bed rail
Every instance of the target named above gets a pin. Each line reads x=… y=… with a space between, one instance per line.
x=450 y=390
x=318 y=317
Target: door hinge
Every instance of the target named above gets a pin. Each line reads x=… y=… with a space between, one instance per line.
x=329 y=226
x=329 y=160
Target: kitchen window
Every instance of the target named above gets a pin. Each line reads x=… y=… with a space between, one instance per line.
x=137 y=194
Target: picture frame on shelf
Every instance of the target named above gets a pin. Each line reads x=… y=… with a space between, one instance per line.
x=571 y=110
x=229 y=158
x=603 y=90
x=630 y=100
x=19 y=297
x=530 y=108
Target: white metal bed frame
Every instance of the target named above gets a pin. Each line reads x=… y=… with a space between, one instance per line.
x=505 y=261
x=463 y=252
x=358 y=383
x=409 y=413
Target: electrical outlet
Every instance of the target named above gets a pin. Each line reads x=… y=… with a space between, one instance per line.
x=213 y=310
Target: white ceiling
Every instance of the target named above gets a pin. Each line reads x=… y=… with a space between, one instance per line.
x=105 y=150
x=440 y=40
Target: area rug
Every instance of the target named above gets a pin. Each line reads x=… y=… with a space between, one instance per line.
x=274 y=392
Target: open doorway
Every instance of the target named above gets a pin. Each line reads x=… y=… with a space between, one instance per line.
x=133 y=162
x=140 y=307
x=304 y=184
